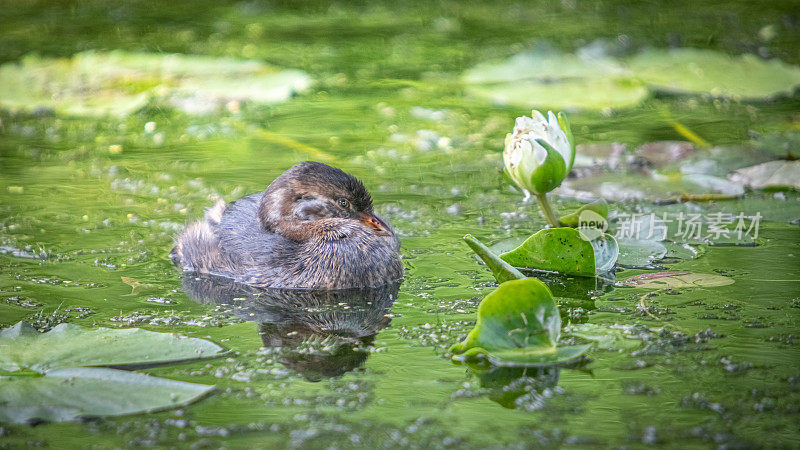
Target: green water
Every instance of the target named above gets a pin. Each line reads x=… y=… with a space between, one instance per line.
x=83 y=227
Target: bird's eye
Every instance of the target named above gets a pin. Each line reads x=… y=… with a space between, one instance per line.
x=343 y=202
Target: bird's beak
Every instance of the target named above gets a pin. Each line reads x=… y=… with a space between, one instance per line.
x=379 y=226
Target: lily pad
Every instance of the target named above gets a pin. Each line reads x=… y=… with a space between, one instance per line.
x=68 y=345
x=543 y=63
x=69 y=394
x=567 y=94
x=714 y=184
x=598 y=207
x=720 y=161
x=55 y=375
x=770 y=175
x=640 y=253
x=689 y=70
x=657 y=188
x=501 y=270
x=518 y=325
x=544 y=77
x=676 y=280
x=561 y=286
x=564 y=250
x=640 y=239
x=118 y=83
x=536 y=357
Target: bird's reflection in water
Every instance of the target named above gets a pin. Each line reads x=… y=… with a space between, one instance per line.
x=317 y=333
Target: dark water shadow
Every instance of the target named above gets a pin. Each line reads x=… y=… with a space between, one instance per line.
x=528 y=388
x=573 y=287
x=507 y=386
x=317 y=333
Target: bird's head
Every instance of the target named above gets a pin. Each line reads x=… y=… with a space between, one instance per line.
x=312 y=191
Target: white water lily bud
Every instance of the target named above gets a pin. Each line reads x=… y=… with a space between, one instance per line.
x=540 y=152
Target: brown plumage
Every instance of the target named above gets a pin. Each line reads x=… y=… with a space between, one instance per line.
x=313 y=227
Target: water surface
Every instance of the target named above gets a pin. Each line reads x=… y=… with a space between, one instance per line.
x=85 y=232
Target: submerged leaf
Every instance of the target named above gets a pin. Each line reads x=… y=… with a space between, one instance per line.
x=676 y=280
x=70 y=394
x=518 y=324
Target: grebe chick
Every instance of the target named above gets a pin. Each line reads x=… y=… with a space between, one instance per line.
x=312 y=228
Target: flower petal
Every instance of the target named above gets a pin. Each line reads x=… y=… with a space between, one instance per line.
x=538 y=154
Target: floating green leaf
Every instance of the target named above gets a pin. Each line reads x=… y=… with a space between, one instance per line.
x=657 y=188
x=598 y=207
x=564 y=250
x=118 y=83
x=518 y=325
x=565 y=94
x=640 y=253
x=546 y=78
x=70 y=394
x=68 y=345
x=55 y=375
x=561 y=286
x=676 y=280
x=536 y=357
x=689 y=70
x=501 y=270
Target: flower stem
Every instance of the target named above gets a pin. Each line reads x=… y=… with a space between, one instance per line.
x=551 y=216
